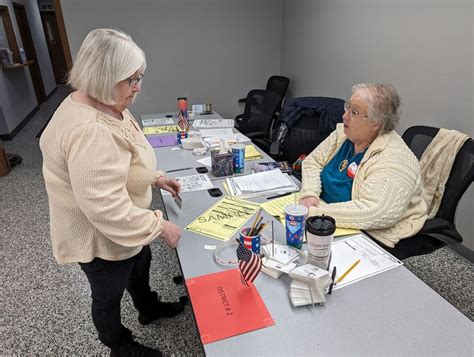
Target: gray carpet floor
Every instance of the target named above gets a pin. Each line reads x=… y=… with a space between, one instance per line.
x=46 y=307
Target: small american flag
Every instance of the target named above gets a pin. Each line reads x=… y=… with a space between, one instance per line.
x=250 y=263
x=182 y=121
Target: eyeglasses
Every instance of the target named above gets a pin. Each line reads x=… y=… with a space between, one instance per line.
x=352 y=112
x=135 y=81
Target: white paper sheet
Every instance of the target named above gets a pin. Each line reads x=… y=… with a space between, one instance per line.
x=157 y=121
x=373 y=259
x=213 y=123
x=260 y=184
x=205 y=133
x=206 y=161
x=192 y=183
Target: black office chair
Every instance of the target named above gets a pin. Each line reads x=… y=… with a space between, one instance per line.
x=440 y=230
x=460 y=178
x=277 y=84
x=304 y=123
x=257 y=119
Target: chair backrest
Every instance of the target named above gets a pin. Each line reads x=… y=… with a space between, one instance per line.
x=260 y=107
x=278 y=84
x=462 y=173
x=309 y=121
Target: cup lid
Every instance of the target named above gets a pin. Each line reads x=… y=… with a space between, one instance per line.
x=296 y=209
x=321 y=225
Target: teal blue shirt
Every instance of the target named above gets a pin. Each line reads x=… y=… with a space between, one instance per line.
x=338 y=175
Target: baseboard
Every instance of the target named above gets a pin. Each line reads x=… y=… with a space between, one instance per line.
x=20 y=126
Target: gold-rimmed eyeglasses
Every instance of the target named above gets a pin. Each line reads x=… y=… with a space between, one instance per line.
x=353 y=113
x=135 y=81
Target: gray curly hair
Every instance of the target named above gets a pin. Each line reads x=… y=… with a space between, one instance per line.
x=384 y=105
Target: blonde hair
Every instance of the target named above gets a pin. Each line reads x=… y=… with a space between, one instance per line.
x=105 y=58
x=384 y=104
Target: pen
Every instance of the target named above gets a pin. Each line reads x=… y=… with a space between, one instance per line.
x=347 y=271
x=333 y=276
x=282 y=195
x=183 y=169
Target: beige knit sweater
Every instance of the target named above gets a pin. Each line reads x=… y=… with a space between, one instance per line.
x=386 y=192
x=98 y=173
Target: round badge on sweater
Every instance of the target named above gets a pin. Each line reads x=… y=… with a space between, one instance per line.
x=351 y=170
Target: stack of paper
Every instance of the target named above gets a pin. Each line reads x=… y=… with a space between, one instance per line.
x=228 y=138
x=278 y=259
x=309 y=285
x=261 y=184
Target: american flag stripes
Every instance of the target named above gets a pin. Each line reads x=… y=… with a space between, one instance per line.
x=182 y=121
x=250 y=263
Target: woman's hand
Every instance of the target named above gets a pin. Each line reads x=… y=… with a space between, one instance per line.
x=170 y=233
x=169 y=184
x=310 y=201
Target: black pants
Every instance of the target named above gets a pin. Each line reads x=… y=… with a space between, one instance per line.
x=108 y=280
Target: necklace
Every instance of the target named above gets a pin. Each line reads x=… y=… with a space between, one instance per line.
x=345 y=162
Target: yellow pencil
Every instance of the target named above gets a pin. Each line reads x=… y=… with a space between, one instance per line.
x=347 y=271
x=255 y=222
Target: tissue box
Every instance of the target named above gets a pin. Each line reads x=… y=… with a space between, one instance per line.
x=222 y=164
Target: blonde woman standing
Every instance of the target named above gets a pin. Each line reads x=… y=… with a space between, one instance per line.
x=99 y=168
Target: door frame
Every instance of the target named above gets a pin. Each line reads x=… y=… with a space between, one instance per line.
x=28 y=43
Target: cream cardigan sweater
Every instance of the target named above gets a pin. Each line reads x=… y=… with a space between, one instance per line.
x=386 y=192
x=98 y=173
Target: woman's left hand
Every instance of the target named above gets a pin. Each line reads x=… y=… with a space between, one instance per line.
x=168 y=184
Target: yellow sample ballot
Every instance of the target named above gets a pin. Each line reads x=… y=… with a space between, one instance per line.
x=224 y=219
x=160 y=129
x=277 y=206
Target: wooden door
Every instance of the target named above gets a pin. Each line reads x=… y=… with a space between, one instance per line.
x=55 y=48
x=26 y=38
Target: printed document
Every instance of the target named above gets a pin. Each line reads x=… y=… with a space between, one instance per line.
x=276 y=208
x=373 y=259
x=224 y=219
x=260 y=184
x=213 y=123
x=157 y=121
x=205 y=133
x=192 y=183
x=160 y=129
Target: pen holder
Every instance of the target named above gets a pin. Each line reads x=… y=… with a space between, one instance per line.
x=250 y=242
x=181 y=135
x=222 y=164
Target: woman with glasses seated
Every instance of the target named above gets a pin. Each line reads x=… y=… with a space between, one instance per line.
x=364 y=175
x=99 y=169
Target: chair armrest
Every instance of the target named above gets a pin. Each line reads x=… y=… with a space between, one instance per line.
x=242 y=100
x=274 y=148
x=255 y=134
x=434 y=225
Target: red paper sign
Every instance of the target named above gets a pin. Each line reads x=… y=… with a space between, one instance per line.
x=223 y=307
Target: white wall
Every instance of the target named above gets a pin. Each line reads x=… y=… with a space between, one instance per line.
x=17 y=94
x=214 y=51
x=423 y=47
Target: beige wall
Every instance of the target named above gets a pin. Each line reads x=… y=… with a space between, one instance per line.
x=423 y=47
x=212 y=50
